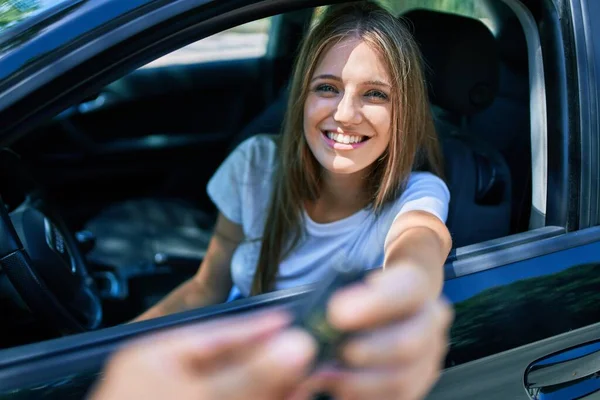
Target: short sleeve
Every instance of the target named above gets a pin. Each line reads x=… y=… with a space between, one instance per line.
x=224 y=188
x=425 y=192
x=239 y=184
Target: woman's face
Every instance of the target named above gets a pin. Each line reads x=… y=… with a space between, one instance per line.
x=347 y=114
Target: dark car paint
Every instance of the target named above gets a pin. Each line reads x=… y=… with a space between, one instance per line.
x=506 y=316
x=75 y=20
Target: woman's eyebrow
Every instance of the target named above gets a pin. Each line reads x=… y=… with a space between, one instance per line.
x=377 y=83
x=338 y=79
x=327 y=76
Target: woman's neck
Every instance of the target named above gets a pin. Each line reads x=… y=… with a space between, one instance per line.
x=341 y=195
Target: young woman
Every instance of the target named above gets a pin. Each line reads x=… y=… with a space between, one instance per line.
x=355 y=178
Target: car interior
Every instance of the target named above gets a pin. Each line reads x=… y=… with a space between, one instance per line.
x=127 y=168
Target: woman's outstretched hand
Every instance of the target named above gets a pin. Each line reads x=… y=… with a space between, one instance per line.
x=400 y=343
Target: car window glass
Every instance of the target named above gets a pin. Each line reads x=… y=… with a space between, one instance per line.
x=14 y=11
x=244 y=41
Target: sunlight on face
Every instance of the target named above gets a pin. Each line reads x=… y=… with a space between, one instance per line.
x=347 y=114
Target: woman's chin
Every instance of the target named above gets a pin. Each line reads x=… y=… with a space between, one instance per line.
x=336 y=163
x=342 y=167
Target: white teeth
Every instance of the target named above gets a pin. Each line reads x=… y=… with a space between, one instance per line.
x=345 y=139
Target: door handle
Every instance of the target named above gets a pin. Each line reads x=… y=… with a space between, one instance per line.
x=92 y=105
x=573 y=373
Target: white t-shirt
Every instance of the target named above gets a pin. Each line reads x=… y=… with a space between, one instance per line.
x=241 y=190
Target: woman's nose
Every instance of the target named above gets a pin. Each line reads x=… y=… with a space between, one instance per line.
x=348 y=111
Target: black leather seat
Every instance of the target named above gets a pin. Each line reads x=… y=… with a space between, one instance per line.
x=463 y=62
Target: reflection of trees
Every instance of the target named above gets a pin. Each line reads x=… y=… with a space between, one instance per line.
x=525 y=311
x=12 y=11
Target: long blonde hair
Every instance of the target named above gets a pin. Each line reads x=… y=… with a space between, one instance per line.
x=413 y=144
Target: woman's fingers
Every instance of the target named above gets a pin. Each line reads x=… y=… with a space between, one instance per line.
x=407 y=381
x=410 y=383
x=384 y=297
x=395 y=344
x=402 y=342
x=401 y=360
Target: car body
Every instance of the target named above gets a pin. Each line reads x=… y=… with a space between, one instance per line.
x=76 y=105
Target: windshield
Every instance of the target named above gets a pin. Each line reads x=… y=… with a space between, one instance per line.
x=14 y=11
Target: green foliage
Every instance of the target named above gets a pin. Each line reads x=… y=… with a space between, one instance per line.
x=13 y=11
x=526 y=311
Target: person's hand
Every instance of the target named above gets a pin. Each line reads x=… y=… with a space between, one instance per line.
x=242 y=358
x=399 y=351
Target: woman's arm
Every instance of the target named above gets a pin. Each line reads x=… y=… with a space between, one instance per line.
x=212 y=283
x=402 y=319
x=419 y=238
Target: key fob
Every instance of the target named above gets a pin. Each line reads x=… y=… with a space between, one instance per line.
x=311 y=315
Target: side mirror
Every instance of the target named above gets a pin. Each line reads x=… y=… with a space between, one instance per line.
x=573 y=373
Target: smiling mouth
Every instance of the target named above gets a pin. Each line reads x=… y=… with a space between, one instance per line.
x=345 y=139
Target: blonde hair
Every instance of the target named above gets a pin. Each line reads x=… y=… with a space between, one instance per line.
x=413 y=144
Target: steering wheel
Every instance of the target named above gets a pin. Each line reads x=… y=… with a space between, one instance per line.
x=41 y=258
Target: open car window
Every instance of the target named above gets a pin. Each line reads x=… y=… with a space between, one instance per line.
x=245 y=41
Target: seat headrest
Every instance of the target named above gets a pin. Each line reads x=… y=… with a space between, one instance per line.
x=462 y=59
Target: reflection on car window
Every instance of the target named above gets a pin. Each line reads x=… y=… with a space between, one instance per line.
x=14 y=11
x=245 y=41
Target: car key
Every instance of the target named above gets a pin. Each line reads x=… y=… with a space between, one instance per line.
x=311 y=315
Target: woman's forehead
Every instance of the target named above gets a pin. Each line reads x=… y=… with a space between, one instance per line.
x=352 y=59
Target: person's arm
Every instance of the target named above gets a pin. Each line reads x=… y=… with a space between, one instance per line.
x=419 y=238
x=226 y=359
x=212 y=283
x=402 y=316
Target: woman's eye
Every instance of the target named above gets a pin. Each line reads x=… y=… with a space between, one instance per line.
x=377 y=94
x=324 y=88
